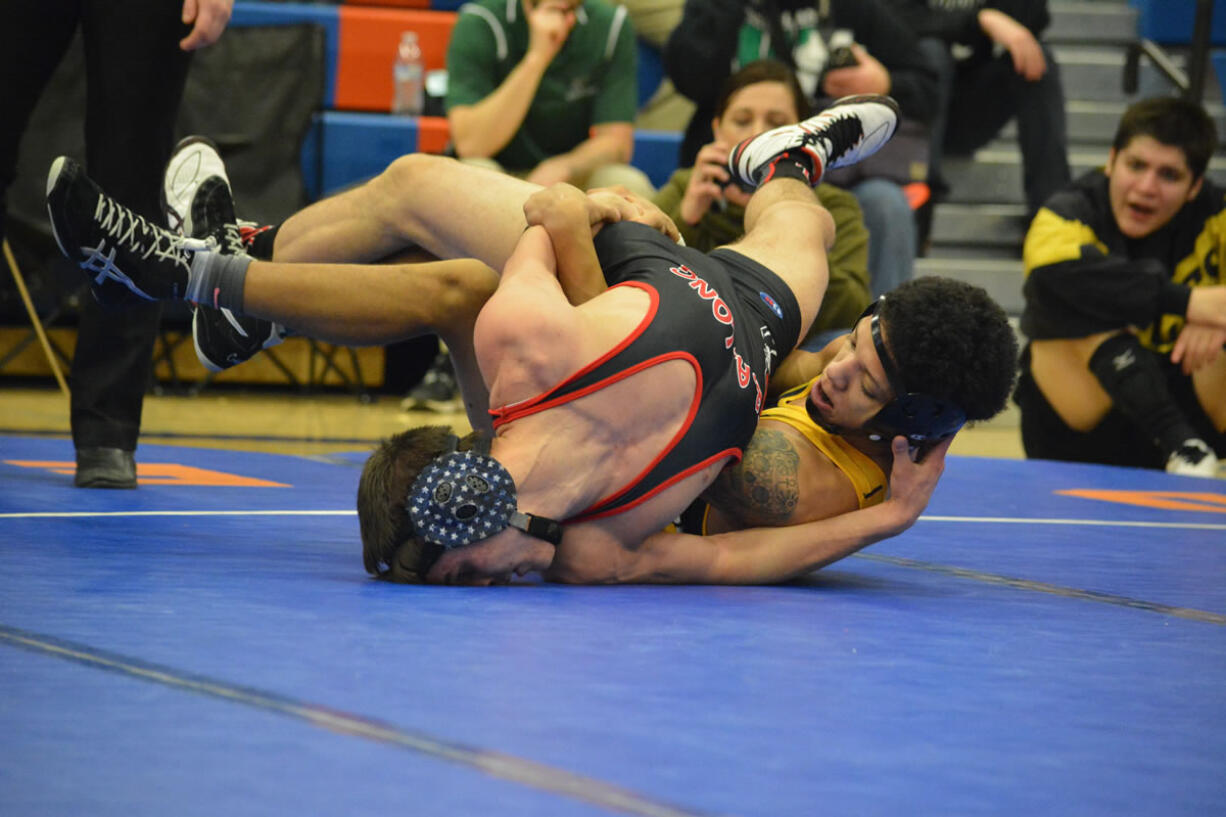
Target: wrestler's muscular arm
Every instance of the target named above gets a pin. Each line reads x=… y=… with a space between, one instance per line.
x=568 y=216
x=769 y=555
x=571 y=217
x=781 y=480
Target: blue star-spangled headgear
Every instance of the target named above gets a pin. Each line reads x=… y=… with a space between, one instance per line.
x=464 y=496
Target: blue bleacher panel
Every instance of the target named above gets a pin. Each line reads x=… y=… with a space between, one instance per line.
x=356 y=146
x=650 y=71
x=1170 y=21
x=1218 y=58
x=344 y=148
x=655 y=153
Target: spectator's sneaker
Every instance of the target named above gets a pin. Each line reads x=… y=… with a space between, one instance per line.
x=222 y=338
x=851 y=129
x=437 y=391
x=1193 y=459
x=110 y=242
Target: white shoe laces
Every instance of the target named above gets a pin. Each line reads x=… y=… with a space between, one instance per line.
x=233 y=243
x=130 y=231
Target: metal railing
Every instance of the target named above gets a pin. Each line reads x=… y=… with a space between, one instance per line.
x=1191 y=84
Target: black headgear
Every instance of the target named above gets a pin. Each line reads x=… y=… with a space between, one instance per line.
x=923 y=419
x=465 y=496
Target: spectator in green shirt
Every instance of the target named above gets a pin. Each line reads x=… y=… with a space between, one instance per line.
x=545 y=90
x=710 y=212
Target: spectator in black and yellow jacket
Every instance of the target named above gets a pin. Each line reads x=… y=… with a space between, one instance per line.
x=1126 y=303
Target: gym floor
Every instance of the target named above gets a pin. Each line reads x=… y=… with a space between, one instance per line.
x=1048 y=639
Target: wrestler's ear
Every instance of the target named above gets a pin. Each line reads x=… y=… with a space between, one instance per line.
x=412 y=561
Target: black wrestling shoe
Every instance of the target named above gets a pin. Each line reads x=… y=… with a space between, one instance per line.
x=211 y=217
x=851 y=129
x=105 y=468
x=110 y=242
x=224 y=339
x=221 y=337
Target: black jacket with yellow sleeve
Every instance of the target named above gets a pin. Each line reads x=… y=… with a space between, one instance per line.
x=1084 y=277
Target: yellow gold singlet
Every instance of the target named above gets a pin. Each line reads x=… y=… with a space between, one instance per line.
x=865 y=475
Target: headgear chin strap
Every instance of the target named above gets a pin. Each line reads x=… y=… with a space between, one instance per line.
x=923 y=419
x=465 y=496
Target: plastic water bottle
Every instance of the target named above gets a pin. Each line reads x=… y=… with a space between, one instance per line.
x=408 y=77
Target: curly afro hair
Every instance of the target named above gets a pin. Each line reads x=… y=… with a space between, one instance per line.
x=949 y=339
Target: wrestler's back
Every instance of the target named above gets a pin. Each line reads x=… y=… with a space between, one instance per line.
x=567 y=457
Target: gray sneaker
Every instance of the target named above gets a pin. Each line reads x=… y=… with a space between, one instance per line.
x=437 y=391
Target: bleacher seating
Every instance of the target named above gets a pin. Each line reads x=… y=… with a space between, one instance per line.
x=368 y=40
x=355 y=136
x=1169 y=22
x=978 y=230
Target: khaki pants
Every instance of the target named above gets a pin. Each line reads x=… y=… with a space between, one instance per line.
x=630 y=177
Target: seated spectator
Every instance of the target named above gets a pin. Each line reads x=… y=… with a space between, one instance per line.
x=1126 y=304
x=716 y=37
x=991 y=68
x=545 y=90
x=653 y=21
x=709 y=208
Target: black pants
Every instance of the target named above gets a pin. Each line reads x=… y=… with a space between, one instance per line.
x=1116 y=440
x=975 y=102
x=135 y=73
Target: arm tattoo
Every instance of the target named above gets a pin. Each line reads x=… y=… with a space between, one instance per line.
x=762 y=490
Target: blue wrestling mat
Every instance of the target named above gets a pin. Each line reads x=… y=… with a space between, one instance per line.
x=1049 y=639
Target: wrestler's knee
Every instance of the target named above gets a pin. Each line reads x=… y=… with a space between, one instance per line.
x=825 y=223
x=402 y=177
x=800 y=220
x=462 y=288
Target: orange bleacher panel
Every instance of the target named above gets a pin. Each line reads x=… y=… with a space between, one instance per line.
x=368 y=41
x=433 y=133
